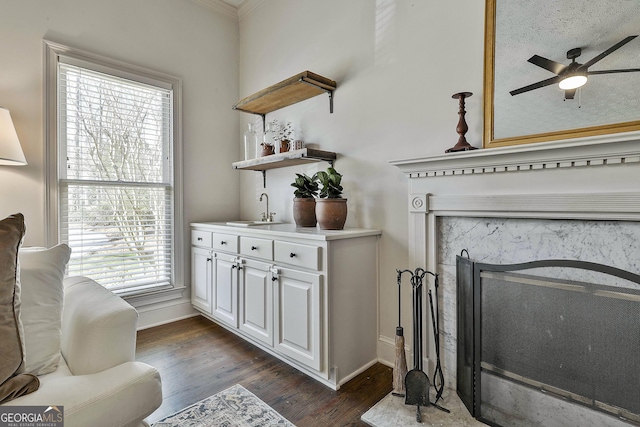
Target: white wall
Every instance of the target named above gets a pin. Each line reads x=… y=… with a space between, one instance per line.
x=396 y=63
x=181 y=38
x=177 y=37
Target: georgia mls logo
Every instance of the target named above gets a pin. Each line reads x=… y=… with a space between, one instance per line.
x=31 y=416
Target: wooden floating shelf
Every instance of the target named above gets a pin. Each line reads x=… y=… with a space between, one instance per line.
x=302 y=86
x=290 y=158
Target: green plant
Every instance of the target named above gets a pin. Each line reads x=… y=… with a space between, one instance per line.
x=306 y=186
x=281 y=132
x=330 y=181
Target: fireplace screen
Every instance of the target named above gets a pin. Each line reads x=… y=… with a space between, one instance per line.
x=552 y=342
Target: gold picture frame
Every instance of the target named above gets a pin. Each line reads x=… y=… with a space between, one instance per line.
x=490 y=139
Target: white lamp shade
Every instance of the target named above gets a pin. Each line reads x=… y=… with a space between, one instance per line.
x=10 y=149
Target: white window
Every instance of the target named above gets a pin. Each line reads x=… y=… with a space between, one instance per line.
x=115 y=174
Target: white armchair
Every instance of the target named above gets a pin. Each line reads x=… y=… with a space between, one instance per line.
x=98 y=381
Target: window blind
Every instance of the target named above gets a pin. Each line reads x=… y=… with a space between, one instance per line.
x=115 y=178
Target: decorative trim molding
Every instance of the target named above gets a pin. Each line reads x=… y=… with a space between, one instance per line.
x=247 y=7
x=604 y=206
x=419 y=203
x=157 y=297
x=221 y=7
x=588 y=152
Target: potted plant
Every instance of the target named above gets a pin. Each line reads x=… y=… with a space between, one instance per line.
x=331 y=208
x=304 y=203
x=282 y=135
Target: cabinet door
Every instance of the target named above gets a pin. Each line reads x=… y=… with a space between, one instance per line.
x=297 y=315
x=201 y=296
x=225 y=289
x=256 y=300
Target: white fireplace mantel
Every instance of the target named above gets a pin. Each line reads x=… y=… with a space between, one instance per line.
x=586 y=179
x=589 y=179
x=550 y=155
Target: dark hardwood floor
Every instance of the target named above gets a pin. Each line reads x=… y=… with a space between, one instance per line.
x=197 y=358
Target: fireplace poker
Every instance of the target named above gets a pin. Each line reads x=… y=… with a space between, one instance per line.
x=438 y=384
x=438 y=376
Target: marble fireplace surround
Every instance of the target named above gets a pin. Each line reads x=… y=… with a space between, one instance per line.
x=576 y=199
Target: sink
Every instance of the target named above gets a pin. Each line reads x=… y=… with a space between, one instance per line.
x=252 y=223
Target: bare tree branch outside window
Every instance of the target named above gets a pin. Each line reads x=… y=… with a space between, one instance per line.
x=119 y=200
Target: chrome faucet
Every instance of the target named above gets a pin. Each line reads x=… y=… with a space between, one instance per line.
x=267 y=216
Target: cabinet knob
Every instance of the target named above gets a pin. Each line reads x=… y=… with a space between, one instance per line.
x=208 y=259
x=199 y=239
x=222 y=242
x=253 y=248
x=274 y=278
x=234 y=266
x=292 y=255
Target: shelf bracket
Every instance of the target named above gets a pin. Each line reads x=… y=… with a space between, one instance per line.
x=264 y=119
x=264 y=178
x=330 y=103
x=329 y=91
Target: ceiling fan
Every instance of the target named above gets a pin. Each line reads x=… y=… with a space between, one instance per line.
x=572 y=76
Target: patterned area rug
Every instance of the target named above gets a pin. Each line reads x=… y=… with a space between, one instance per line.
x=233 y=407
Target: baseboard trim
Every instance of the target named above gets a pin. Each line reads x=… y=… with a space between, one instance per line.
x=149 y=316
x=356 y=373
x=387 y=350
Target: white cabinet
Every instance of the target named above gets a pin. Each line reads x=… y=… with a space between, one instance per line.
x=225 y=288
x=256 y=247
x=297 y=308
x=307 y=296
x=224 y=242
x=256 y=296
x=305 y=256
x=201 y=290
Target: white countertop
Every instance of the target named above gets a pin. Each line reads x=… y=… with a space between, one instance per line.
x=289 y=230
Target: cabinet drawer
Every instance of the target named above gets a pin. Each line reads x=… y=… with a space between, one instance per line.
x=225 y=242
x=201 y=238
x=295 y=254
x=257 y=248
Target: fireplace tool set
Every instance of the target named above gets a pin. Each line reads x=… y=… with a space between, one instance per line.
x=416 y=382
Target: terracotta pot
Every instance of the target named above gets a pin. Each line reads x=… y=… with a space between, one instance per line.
x=304 y=212
x=331 y=213
x=267 y=150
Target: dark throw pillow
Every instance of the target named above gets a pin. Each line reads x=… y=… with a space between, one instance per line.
x=12 y=382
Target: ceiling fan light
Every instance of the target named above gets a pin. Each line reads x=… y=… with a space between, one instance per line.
x=573 y=82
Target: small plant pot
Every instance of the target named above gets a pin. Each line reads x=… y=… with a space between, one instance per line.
x=304 y=211
x=331 y=213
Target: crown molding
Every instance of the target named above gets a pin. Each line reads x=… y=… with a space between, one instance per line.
x=247 y=7
x=220 y=7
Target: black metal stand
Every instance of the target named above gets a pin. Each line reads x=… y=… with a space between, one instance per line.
x=416 y=382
